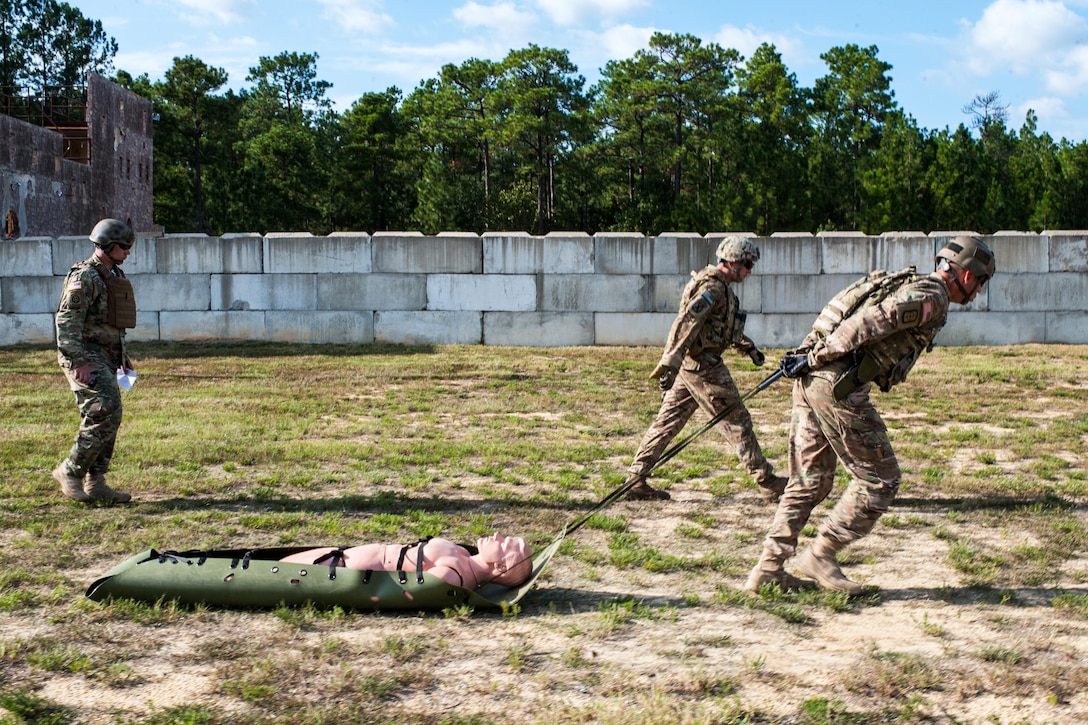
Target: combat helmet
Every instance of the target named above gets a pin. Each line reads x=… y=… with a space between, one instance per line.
x=735 y=248
x=108 y=232
x=972 y=254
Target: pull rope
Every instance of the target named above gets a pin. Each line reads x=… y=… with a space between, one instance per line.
x=671 y=452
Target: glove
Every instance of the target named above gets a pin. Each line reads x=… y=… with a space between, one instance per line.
x=665 y=375
x=795 y=365
x=757 y=357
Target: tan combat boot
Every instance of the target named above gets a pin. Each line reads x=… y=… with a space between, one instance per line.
x=95 y=486
x=70 y=485
x=818 y=562
x=643 y=491
x=769 y=571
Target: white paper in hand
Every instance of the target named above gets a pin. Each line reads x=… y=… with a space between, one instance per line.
x=125 y=380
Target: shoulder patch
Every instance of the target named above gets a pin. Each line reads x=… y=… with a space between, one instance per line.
x=911 y=313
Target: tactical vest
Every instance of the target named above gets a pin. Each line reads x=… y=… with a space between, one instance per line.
x=885 y=361
x=121 y=312
x=719 y=330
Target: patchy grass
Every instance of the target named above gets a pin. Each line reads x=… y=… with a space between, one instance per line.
x=976 y=599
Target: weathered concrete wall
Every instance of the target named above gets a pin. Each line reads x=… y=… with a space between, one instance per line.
x=51 y=195
x=518 y=289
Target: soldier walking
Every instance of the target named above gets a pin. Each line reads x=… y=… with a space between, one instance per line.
x=691 y=373
x=96 y=307
x=871 y=332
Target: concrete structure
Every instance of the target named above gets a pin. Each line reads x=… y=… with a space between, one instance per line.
x=46 y=190
x=518 y=289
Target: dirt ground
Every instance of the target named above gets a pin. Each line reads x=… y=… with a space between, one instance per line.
x=682 y=657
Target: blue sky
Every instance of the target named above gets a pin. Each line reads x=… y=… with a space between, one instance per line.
x=943 y=53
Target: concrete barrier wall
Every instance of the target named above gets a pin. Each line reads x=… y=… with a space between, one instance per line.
x=518 y=289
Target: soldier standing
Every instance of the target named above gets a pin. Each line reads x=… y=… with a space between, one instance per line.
x=873 y=331
x=691 y=373
x=96 y=307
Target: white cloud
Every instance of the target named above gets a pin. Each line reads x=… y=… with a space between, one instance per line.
x=364 y=16
x=215 y=12
x=500 y=16
x=572 y=12
x=1023 y=36
x=747 y=40
x=1072 y=77
x=622 y=41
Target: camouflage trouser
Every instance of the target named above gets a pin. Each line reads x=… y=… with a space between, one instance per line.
x=712 y=390
x=823 y=431
x=100 y=417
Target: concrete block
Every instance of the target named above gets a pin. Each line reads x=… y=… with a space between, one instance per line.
x=212 y=325
x=156 y=292
x=568 y=253
x=370 y=292
x=522 y=253
x=1019 y=252
x=415 y=253
x=485 y=292
x=623 y=253
x=801 y=293
x=1068 y=251
x=428 y=328
x=514 y=253
x=31 y=329
x=788 y=253
x=666 y=291
x=199 y=253
x=896 y=250
x=1067 y=327
x=779 y=330
x=1067 y=291
x=30 y=294
x=69 y=250
x=334 y=327
x=604 y=293
x=1057 y=291
x=858 y=254
x=682 y=252
x=538 y=329
x=263 y=292
x=628 y=328
x=338 y=253
x=993 y=328
x=29 y=256
x=147 y=327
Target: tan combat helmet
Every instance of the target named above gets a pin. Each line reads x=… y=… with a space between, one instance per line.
x=972 y=254
x=108 y=232
x=736 y=248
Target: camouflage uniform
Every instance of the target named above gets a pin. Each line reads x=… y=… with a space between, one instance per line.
x=710 y=320
x=824 y=430
x=85 y=336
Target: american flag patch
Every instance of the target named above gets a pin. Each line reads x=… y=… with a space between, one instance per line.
x=927 y=311
x=75 y=286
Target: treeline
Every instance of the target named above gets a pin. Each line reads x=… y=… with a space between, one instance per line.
x=682 y=136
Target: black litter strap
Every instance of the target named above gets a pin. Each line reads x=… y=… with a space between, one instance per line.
x=671 y=452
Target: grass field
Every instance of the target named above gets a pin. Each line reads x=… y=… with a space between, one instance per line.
x=976 y=607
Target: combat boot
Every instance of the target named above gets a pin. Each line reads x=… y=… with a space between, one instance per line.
x=643 y=491
x=818 y=562
x=94 y=484
x=769 y=571
x=70 y=485
x=772 y=488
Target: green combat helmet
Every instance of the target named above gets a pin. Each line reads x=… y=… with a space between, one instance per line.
x=972 y=254
x=108 y=232
x=735 y=248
